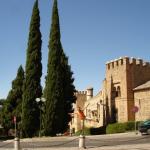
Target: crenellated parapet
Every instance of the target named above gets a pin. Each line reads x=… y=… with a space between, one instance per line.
x=126 y=61
x=80 y=93
x=88 y=93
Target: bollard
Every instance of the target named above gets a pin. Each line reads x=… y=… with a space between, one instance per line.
x=17 y=143
x=82 y=141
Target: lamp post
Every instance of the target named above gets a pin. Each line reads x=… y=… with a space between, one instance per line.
x=40 y=101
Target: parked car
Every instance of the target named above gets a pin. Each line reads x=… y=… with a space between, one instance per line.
x=144 y=127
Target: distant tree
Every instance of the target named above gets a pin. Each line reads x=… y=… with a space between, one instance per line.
x=6 y=117
x=12 y=105
x=59 y=88
x=33 y=72
x=2 y=101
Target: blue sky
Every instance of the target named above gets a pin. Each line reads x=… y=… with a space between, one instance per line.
x=92 y=33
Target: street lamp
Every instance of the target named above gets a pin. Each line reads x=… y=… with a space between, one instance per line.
x=40 y=101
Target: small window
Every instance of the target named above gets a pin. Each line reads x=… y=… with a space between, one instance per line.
x=112 y=64
x=117 y=63
x=121 y=61
x=118 y=92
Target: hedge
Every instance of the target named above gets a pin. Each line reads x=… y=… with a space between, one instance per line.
x=110 y=129
x=121 y=127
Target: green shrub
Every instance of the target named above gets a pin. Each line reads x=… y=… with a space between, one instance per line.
x=115 y=128
x=130 y=126
x=121 y=127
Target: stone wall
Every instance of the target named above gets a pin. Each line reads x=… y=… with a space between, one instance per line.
x=142 y=101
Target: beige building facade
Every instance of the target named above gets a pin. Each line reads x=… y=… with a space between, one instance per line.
x=126 y=85
x=142 y=101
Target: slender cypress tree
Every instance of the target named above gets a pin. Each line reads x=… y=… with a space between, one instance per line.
x=69 y=91
x=12 y=105
x=58 y=82
x=33 y=72
x=16 y=95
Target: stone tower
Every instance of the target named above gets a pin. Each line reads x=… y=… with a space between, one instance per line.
x=89 y=93
x=81 y=99
x=122 y=76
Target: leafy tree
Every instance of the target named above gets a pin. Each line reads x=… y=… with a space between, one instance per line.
x=12 y=105
x=59 y=88
x=33 y=72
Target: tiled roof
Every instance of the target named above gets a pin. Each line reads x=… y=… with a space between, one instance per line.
x=143 y=86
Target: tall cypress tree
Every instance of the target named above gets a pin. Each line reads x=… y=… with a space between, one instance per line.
x=69 y=90
x=33 y=72
x=16 y=95
x=59 y=82
x=12 y=105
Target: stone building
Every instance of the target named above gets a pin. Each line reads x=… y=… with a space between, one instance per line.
x=126 y=85
x=142 y=101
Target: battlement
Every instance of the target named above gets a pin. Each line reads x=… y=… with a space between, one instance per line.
x=126 y=61
x=80 y=93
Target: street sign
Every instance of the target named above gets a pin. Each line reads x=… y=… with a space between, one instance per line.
x=135 y=109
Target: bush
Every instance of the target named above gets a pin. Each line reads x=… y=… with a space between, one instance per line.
x=130 y=126
x=121 y=127
x=115 y=128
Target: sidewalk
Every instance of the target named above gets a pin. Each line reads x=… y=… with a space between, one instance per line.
x=104 y=136
x=121 y=147
x=145 y=146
